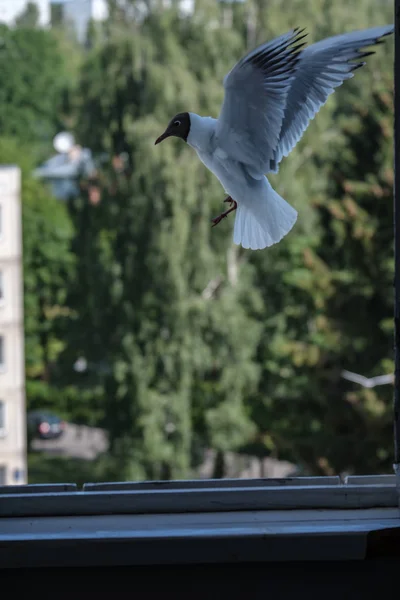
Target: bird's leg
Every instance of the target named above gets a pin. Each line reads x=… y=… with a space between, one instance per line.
x=233 y=206
x=231 y=202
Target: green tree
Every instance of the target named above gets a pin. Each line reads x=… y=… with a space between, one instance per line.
x=327 y=288
x=174 y=323
x=199 y=342
x=47 y=269
x=33 y=77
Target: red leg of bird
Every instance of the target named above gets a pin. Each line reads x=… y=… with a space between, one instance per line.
x=233 y=205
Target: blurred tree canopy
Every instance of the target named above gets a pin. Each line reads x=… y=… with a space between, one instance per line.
x=48 y=267
x=37 y=69
x=190 y=341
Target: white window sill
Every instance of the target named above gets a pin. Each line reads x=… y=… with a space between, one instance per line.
x=219 y=521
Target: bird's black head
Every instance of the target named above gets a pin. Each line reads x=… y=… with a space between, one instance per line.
x=179 y=127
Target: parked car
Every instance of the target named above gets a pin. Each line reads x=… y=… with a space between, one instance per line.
x=44 y=425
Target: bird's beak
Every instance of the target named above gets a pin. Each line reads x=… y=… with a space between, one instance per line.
x=161 y=138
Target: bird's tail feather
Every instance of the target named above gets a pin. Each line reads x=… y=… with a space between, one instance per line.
x=263 y=221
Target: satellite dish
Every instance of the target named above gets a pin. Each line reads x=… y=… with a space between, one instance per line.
x=63 y=142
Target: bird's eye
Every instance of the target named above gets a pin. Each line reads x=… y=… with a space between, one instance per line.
x=177 y=123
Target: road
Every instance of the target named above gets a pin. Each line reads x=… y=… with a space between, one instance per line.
x=77 y=441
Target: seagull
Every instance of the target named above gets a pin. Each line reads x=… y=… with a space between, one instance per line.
x=270 y=97
x=368 y=382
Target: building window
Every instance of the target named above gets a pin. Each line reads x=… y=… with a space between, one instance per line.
x=1 y=287
x=2 y=417
x=2 y=475
x=2 y=357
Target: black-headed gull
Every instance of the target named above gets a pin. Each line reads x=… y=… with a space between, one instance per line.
x=270 y=97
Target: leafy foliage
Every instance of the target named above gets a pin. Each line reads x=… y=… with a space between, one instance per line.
x=48 y=263
x=191 y=342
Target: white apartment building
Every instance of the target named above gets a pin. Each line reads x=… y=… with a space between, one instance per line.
x=79 y=13
x=13 y=468
x=11 y=9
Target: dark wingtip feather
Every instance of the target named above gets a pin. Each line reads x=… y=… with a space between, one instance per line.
x=365 y=54
x=358 y=66
x=298 y=38
x=381 y=39
x=387 y=33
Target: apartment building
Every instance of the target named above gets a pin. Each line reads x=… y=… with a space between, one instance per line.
x=79 y=13
x=13 y=469
x=11 y=9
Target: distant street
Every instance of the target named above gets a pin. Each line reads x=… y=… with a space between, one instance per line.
x=87 y=443
x=78 y=441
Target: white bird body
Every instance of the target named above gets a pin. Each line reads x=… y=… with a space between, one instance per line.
x=262 y=216
x=270 y=97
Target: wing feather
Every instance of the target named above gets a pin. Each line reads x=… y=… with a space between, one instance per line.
x=253 y=110
x=321 y=68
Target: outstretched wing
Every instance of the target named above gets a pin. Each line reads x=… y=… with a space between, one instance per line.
x=253 y=110
x=321 y=68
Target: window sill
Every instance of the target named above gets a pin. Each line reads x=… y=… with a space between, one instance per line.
x=189 y=523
